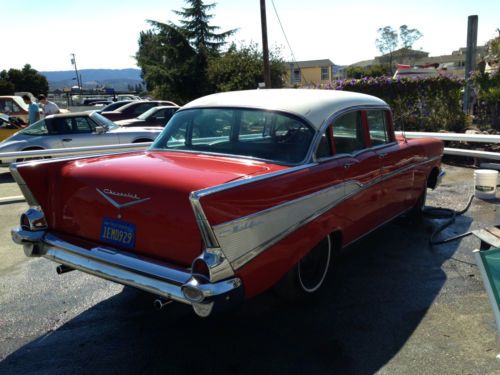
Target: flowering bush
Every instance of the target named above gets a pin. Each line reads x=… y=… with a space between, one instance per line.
x=422 y=104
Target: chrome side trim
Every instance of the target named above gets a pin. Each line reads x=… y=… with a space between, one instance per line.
x=30 y=199
x=244 y=238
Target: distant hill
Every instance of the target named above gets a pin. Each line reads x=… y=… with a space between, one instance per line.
x=119 y=79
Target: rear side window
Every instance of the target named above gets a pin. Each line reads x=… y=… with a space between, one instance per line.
x=348 y=133
x=377 y=125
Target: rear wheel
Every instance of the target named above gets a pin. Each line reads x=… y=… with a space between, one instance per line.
x=418 y=209
x=309 y=274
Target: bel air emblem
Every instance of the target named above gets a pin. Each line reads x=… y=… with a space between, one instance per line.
x=107 y=193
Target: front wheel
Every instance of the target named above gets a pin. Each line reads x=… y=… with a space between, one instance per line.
x=309 y=274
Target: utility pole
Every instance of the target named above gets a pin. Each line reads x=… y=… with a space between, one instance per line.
x=265 y=48
x=78 y=77
x=470 y=60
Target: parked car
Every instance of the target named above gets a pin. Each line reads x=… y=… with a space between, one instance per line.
x=114 y=105
x=242 y=191
x=156 y=116
x=133 y=109
x=9 y=126
x=14 y=106
x=76 y=129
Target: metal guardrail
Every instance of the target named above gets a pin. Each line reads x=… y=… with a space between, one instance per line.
x=459 y=137
x=88 y=150
x=91 y=150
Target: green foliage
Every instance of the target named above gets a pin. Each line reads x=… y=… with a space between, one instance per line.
x=372 y=71
x=26 y=79
x=428 y=104
x=196 y=28
x=408 y=36
x=241 y=69
x=6 y=87
x=487 y=87
x=174 y=59
x=168 y=63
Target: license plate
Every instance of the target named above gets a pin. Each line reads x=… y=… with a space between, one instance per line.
x=118 y=232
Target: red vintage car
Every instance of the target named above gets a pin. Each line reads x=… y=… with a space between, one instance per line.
x=241 y=192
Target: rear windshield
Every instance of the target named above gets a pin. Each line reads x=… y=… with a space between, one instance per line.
x=254 y=133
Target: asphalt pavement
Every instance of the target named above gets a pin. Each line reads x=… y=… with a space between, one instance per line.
x=392 y=305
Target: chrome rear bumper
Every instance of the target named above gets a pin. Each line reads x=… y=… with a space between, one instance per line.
x=128 y=269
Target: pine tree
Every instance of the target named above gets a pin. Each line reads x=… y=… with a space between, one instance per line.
x=195 y=26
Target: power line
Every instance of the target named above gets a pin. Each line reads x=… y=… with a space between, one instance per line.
x=294 y=60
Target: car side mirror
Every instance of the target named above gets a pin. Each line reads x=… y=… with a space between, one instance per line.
x=100 y=130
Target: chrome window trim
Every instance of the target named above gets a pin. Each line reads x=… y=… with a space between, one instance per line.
x=285 y=113
x=329 y=121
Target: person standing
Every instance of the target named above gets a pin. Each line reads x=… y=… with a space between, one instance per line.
x=49 y=108
x=33 y=110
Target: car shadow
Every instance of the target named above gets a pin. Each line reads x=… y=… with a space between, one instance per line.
x=377 y=293
x=6 y=177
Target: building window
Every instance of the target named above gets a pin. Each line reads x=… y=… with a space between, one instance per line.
x=296 y=78
x=324 y=74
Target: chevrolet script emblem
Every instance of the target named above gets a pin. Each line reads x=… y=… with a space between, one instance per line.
x=107 y=193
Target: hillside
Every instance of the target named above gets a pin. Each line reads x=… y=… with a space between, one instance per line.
x=119 y=79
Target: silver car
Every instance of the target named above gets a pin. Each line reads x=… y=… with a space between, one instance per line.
x=74 y=130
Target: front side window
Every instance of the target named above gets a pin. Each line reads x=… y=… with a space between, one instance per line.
x=348 y=133
x=253 y=133
x=377 y=126
x=82 y=125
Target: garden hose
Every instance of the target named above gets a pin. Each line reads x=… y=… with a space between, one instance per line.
x=445 y=213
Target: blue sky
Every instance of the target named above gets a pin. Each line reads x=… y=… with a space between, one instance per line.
x=103 y=34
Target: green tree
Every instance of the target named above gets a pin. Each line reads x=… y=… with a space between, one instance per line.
x=196 y=28
x=241 y=68
x=372 y=71
x=26 y=79
x=167 y=59
x=389 y=39
x=408 y=36
x=6 y=87
x=387 y=42
x=174 y=59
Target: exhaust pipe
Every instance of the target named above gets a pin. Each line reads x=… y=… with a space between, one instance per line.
x=160 y=303
x=63 y=269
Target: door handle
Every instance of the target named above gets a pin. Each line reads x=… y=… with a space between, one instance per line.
x=348 y=165
x=67 y=139
x=381 y=156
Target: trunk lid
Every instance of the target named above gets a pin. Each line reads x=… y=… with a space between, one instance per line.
x=146 y=191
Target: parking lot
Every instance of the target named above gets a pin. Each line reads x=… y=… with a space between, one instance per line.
x=392 y=305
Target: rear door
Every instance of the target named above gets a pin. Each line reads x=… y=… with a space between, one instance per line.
x=396 y=160
x=361 y=168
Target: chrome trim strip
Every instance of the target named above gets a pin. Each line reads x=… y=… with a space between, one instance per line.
x=118 y=205
x=22 y=185
x=245 y=238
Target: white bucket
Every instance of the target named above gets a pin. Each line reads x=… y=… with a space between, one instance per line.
x=485 y=183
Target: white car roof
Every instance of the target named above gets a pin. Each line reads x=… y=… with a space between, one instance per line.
x=315 y=105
